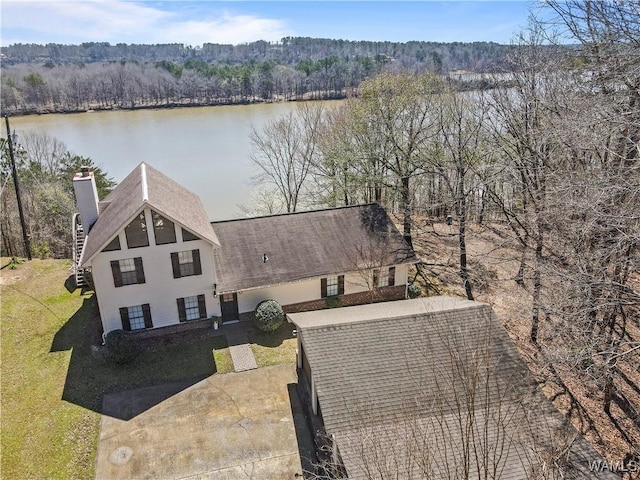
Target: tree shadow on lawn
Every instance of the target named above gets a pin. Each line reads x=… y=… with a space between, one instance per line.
x=272 y=339
x=170 y=363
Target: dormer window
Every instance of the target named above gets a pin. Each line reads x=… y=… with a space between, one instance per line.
x=163 y=229
x=136 y=232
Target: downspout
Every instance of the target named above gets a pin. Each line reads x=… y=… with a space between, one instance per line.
x=314 y=396
x=217 y=304
x=334 y=450
x=406 y=281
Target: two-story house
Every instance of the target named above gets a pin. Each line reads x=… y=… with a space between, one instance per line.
x=156 y=260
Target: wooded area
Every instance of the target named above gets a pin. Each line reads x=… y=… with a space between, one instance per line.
x=45 y=168
x=551 y=162
x=66 y=78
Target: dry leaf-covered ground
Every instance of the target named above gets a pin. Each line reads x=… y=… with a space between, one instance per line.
x=493 y=262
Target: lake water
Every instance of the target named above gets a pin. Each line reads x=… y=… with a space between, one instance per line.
x=206 y=149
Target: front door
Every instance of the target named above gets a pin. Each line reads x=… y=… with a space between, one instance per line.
x=229 y=306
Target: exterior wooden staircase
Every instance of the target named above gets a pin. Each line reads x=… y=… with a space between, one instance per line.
x=78 y=244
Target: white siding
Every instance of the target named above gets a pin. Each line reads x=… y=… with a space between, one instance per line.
x=86 y=198
x=402 y=274
x=308 y=290
x=160 y=289
x=285 y=294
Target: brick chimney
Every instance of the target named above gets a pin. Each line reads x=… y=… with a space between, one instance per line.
x=84 y=186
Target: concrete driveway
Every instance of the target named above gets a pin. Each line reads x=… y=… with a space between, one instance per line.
x=232 y=426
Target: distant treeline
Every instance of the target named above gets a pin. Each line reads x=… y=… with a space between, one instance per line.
x=63 y=78
x=476 y=57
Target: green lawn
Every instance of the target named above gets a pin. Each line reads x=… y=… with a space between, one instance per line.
x=53 y=382
x=274 y=348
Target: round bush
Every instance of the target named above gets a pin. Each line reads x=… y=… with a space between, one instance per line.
x=333 y=302
x=414 y=290
x=121 y=346
x=269 y=315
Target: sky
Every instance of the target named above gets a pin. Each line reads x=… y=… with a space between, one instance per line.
x=209 y=21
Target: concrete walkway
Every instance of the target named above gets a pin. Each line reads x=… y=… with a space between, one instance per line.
x=237 y=335
x=240 y=350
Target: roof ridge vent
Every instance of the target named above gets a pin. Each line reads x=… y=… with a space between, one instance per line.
x=145 y=188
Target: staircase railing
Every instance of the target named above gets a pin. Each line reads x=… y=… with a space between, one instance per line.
x=76 y=247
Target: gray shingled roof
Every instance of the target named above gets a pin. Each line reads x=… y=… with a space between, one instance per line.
x=392 y=382
x=305 y=245
x=146 y=186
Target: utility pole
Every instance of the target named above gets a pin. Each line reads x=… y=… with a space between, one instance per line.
x=25 y=237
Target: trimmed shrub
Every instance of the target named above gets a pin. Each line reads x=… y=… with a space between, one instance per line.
x=333 y=302
x=414 y=290
x=269 y=316
x=121 y=347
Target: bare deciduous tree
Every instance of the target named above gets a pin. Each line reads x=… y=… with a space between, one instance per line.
x=478 y=415
x=522 y=119
x=285 y=150
x=596 y=226
x=457 y=156
x=45 y=169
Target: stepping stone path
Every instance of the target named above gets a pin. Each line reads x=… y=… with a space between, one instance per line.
x=241 y=353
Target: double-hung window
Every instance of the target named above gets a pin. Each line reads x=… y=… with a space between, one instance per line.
x=331 y=286
x=186 y=263
x=192 y=308
x=185 y=260
x=136 y=317
x=128 y=271
x=384 y=277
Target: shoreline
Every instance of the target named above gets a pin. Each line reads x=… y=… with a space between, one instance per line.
x=309 y=97
x=461 y=86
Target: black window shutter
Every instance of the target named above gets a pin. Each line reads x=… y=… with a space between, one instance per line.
x=392 y=276
x=117 y=275
x=175 y=264
x=146 y=311
x=376 y=277
x=139 y=270
x=341 y=285
x=124 y=316
x=202 y=306
x=182 y=311
x=323 y=287
x=197 y=268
